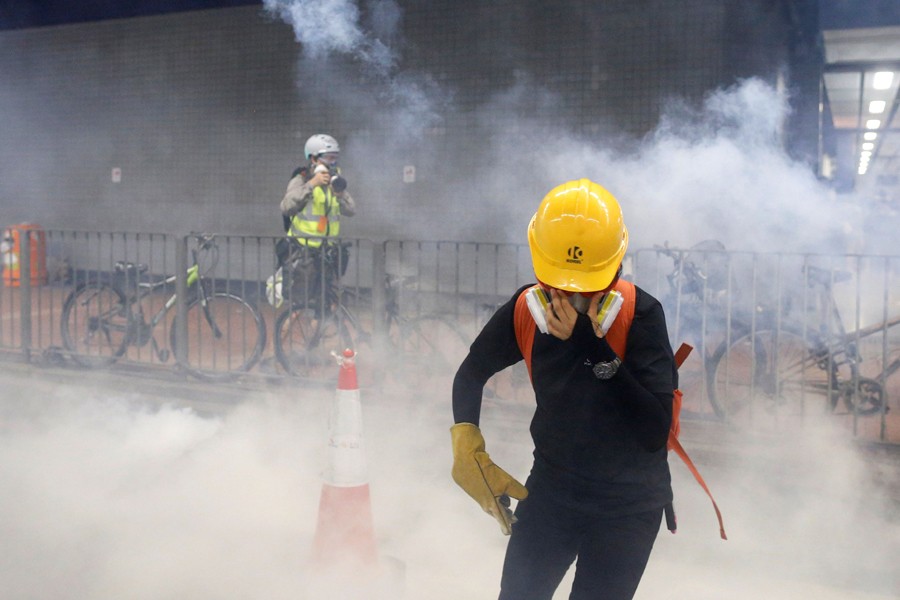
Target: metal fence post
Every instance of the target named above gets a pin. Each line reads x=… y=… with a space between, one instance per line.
x=25 y=292
x=181 y=262
x=379 y=315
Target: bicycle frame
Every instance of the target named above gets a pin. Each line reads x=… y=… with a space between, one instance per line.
x=223 y=334
x=146 y=288
x=850 y=338
x=777 y=364
x=320 y=323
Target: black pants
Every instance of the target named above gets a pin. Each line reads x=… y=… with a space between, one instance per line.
x=552 y=531
x=310 y=269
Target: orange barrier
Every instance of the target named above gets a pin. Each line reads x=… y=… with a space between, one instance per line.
x=13 y=240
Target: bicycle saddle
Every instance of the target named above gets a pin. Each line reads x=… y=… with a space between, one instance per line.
x=122 y=266
x=392 y=280
x=826 y=276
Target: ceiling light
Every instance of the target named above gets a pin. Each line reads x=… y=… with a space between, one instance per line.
x=876 y=106
x=865 y=154
x=870 y=135
x=882 y=80
x=873 y=124
x=862 y=170
x=864 y=160
x=868 y=146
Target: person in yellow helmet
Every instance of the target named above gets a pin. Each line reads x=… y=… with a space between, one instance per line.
x=313 y=205
x=599 y=483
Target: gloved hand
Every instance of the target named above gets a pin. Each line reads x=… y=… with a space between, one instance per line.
x=476 y=473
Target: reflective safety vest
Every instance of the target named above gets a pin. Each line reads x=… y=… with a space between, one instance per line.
x=320 y=218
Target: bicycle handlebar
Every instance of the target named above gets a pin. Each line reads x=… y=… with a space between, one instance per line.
x=205 y=243
x=825 y=277
x=664 y=249
x=692 y=273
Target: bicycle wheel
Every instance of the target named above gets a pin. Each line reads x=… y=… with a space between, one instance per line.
x=305 y=340
x=868 y=399
x=95 y=324
x=225 y=336
x=772 y=374
x=431 y=350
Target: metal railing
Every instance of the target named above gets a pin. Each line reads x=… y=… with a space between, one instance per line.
x=831 y=318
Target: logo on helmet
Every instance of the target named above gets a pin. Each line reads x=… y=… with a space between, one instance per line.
x=574 y=253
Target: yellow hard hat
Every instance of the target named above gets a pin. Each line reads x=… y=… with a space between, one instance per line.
x=577 y=237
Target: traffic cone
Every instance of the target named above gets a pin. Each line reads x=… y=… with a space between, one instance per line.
x=344 y=532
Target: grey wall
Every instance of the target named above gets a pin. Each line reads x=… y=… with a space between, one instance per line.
x=206 y=112
x=194 y=108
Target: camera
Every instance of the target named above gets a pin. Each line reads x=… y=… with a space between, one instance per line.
x=338 y=183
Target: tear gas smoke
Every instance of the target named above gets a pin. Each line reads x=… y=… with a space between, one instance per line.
x=371 y=92
x=110 y=495
x=333 y=27
x=104 y=497
x=716 y=171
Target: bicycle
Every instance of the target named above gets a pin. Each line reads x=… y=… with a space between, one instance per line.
x=321 y=322
x=780 y=369
x=225 y=333
x=703 y=304
x=700 y=296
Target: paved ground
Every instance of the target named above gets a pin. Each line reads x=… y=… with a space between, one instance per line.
x=125 y=481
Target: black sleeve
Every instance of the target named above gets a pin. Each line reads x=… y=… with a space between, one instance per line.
x=646 y=379
x=493 y=350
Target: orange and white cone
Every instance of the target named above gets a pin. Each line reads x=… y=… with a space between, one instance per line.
x=344 y=532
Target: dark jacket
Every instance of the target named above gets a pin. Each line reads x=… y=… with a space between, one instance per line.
x=603 y=440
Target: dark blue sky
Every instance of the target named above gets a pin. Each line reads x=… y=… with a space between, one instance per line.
x=18 y=14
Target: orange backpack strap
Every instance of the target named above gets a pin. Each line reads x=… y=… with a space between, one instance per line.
x=680 y=356
x=617 y=336
x=673 y=444
x=524 y=325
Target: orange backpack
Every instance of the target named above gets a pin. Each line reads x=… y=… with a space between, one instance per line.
x=617 y=337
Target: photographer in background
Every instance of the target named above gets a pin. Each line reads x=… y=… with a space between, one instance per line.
x=311 y=209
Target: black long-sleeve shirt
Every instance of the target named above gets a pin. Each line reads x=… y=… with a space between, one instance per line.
x=606 y=437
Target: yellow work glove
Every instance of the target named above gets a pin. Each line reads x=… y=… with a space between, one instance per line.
x=476 y=473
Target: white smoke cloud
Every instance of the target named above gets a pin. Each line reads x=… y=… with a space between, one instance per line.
x=713 y=171
x=717 y=171
x=107 y=496
x=333 y=27
x=104 y=497
x=367 y=93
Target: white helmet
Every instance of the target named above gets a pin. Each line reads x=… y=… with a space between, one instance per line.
x=320 y=144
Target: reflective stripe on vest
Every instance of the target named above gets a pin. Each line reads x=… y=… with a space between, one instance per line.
x=321 y=217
